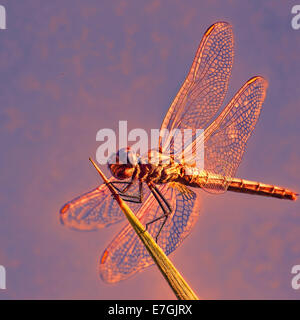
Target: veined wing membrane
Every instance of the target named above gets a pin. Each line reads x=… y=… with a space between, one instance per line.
x=127 y=255
x=204 y=89
x=226 y=138
x=95 y=209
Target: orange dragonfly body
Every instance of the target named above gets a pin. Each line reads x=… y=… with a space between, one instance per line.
x=169 y=207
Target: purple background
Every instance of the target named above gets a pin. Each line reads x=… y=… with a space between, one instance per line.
x=70 y=68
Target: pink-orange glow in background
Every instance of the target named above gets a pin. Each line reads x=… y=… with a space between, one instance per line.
x=70 y=68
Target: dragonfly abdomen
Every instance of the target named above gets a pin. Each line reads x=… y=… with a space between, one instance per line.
x=204 y=179
x=252 y=187
x=193 y=177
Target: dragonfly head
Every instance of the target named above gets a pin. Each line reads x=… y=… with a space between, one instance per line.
x=123 y=163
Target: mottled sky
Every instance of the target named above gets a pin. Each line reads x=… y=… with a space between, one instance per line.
x=70 y=68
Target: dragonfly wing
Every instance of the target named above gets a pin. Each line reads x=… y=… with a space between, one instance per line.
x=204 y=89
x=127 y=255
x=226 y=138
x=95 y=209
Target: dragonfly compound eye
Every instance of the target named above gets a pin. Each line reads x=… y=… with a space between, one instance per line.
x=126 y=156
x=122 y=164
x=121 y=171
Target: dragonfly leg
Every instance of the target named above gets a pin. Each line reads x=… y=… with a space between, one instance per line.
x=165 y=206
x=114 y=183
x=161 y=227
x=123 y=192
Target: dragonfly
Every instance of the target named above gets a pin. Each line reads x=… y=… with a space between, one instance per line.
x=163 y=196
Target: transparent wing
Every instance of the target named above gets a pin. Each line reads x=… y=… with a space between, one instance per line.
x=127 y=255
x=204 y=89
x=226 y=138
x=95 y=209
